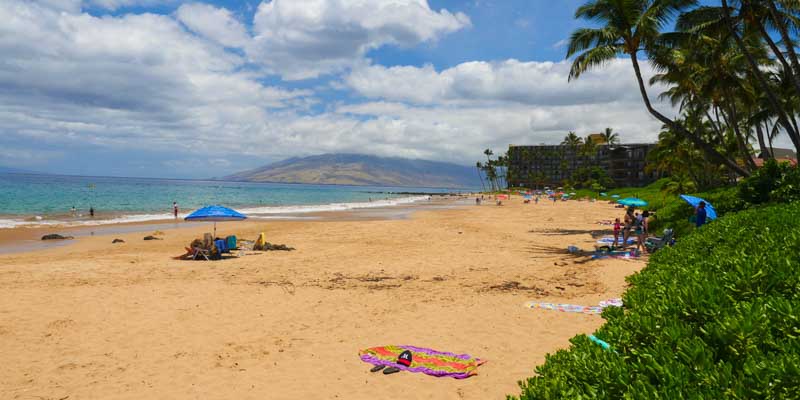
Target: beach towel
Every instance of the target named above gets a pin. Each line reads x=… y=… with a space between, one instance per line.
x=610 y=240
x=624 y=255
x=428 y=361
x=576 y=308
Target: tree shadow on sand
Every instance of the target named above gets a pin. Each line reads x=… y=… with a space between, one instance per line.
x=595 y=233
x=563 y=254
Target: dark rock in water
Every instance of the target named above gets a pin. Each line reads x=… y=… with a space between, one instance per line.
x=118 y=241
x=152 y=238
x=55 y=236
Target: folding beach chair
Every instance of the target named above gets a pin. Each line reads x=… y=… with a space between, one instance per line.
x=198 y=252
x=656 y=243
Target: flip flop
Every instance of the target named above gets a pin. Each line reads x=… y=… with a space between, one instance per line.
x=391 y=370
x=377 y=368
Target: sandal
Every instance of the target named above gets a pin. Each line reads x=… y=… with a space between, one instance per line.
x=391 y=370
x=377 y=368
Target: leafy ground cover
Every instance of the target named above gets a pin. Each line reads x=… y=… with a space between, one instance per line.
x=716 y=316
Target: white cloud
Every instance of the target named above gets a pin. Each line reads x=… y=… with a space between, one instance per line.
x=510 y=81
x=116 y=4
x=172 y=82
x=217 y=24
x=306 y=39
x=138 y=81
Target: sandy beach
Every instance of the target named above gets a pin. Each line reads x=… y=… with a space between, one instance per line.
x=92 y=320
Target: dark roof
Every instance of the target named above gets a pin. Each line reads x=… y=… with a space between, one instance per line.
x=780 y=153
x=760 y=161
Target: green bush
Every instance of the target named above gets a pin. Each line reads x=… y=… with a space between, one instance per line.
x=774 y=182
x=716 y=316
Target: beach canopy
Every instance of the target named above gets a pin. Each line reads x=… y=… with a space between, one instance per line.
x=711 y=213
x=604 y=194
x=632 y=202
x=215 y=214
x=616 y=196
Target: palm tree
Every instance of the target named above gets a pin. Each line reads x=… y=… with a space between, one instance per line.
x=679 y=184
x=746 y=29
x=478 y=166
x=572 y=140
x=629 y=27
x=610 y=137
x=490 y=171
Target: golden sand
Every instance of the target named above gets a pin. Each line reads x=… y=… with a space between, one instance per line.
x=94 y=320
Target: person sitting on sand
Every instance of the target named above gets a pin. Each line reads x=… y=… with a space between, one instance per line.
x=617 y=228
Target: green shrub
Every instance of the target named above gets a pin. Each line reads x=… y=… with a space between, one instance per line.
x=777 y=182
x=716 y=316
x=788 y=189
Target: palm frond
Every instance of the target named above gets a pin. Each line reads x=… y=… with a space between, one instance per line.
x=595 y=57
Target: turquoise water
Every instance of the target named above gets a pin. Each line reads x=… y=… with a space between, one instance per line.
x=48 y=199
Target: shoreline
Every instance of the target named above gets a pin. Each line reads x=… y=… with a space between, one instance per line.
x=67 y=220
x=28 y=238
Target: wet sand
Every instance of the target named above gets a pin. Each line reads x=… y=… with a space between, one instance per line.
x=93 y=320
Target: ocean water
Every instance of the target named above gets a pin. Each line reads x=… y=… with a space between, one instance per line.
x=35 y=200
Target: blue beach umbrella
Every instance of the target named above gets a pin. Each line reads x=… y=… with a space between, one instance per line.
x=711 y=213
x=632 y=202
x=215 y=214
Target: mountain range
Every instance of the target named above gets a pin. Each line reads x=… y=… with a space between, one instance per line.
x=358 y=169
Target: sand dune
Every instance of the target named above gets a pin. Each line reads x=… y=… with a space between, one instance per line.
x=100 y=321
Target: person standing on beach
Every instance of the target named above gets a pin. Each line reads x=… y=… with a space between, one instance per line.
x=628 y=222
x=700 y=214
x=638 y=226
x=91 y=211
x=617 y=229
x=175 y=209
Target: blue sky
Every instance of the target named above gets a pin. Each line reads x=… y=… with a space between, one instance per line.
x=206 y=88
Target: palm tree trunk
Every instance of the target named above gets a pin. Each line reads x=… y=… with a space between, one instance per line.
x=740 y=139
x=480 y=177
x=787 y=40
x=779 y=55
x=762 y=82
x=762 y=145
x=770 y=136
x=681 y=130
x=714 y=124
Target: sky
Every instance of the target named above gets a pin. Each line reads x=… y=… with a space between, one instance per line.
x=203 y=89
